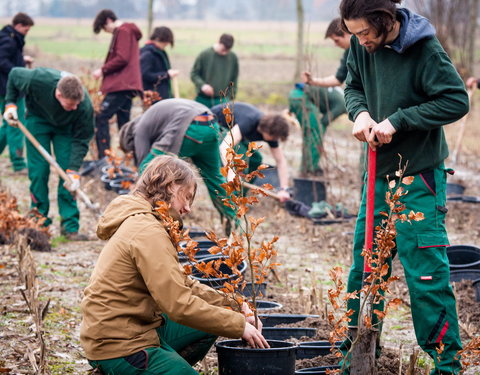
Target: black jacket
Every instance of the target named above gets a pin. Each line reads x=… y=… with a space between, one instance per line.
x=11 y=54
x=155 y=64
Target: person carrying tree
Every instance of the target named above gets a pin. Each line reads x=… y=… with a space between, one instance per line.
x=185 y=128
x=251 y=125
x=12 y=40
x=400 y=91
x=215 y=72
x=120 y=74
x=155 y=65
x=60 y=116
x=141 y=313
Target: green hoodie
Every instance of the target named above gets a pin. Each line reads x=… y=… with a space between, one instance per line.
x=418 y=90
x=39 y=86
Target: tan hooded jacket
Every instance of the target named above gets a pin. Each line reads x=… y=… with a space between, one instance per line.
x=137 y=278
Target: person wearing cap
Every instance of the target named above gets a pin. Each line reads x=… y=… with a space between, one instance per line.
x=60 y=116
x=215 y=72
x=252 y=125
x=181 y=127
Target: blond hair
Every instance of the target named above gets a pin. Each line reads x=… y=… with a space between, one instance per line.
x=161 y=175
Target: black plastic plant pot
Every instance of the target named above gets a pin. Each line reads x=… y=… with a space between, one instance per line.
x=463 y=257
x=118 y=171
x=272 y=320
x=308 y=191
x=476 y=286
x=285 y=333
x=312 y=349
x=321 y=370
x=467 y=274
x=271 y=177
x=268 y=306
x=119 y=183
x=454 y=189
x=260 y=290
x=234 y=358
x=200 y=255
x=105 y=178
x=217 y=282
x=470 y=199
x=195 y=232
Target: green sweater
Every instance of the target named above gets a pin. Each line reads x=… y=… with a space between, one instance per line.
x=418 y=90
x=39 y=86
x=216 y=70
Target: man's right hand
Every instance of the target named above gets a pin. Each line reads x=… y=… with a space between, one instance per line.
x=254 y=337
x=361 y=128
x=207 y=90
x=10 y=115
x=307 y=77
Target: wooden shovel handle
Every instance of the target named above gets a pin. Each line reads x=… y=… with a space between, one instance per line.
x=266 y=192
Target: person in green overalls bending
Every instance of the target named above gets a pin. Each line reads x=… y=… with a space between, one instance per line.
x=214 y=71
x=181 y=127
x=401 y=90
x=315 y=108
x=60 y=115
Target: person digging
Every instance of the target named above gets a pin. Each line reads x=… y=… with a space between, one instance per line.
x=142 y=314
x=401 y=90
x=185 y=128
x=251 y=125
x=60 y=116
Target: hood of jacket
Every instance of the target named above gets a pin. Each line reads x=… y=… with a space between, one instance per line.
x=413 y=28
x=121 y=208
x=133 y=28
x=10 y=30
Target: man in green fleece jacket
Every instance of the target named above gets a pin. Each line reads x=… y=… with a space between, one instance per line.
x=401 y=90
x=60 y=115
x=215 y=73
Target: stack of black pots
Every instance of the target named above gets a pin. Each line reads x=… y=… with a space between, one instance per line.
x=118 y=178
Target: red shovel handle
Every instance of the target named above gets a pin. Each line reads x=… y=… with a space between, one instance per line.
x=370 y=212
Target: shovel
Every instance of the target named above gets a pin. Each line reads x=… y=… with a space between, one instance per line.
x=363 y=353
x=293 y=207
x=60 y=171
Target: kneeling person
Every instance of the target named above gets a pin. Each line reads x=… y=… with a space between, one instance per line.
x=141 y=313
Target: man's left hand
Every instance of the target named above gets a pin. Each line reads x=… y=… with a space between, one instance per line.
x=383 y=132
x=74 y=185
x=283 y=195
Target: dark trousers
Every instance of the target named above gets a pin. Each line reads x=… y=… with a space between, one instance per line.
x=115 y=103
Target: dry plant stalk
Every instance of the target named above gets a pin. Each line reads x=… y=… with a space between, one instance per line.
x=38 y=310
x=375 y=284
x=240 y=246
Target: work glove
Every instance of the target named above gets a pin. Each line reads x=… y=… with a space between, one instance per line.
x=10 y=115
x=75 y=178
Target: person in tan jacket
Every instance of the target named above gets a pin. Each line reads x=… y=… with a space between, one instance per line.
x=141 y=313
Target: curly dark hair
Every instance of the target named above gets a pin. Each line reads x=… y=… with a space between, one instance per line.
x=101 y=19
x=274 y=124
x=380 y=14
